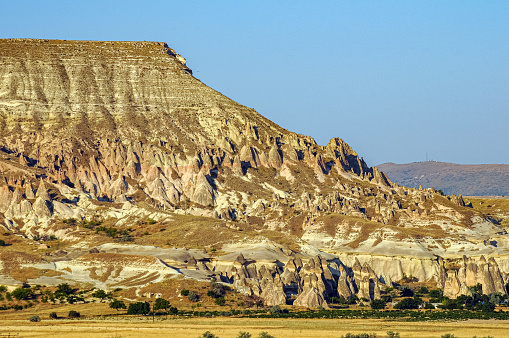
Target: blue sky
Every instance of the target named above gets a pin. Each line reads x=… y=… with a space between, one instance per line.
x=394 y=79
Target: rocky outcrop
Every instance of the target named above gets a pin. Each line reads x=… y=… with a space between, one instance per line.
x=471 y=273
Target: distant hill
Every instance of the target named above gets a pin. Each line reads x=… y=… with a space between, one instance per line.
x=451 y=178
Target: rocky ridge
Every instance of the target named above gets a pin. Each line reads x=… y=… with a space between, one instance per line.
x=119 y=133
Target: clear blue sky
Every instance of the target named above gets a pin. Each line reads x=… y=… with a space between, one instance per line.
x=394 y=79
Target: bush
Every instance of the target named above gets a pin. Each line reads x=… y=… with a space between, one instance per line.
x=244 y=335
x=360 y=335
x=173 y=310
x=193 y=297
x=448 y=335
x=35 y=318
x=73 y=314
x=264 y=334
x=2 y=242
x=3 y=288
x=184 y=292
x=220 y=301
x=391 y=334
x=216 y=290
x=275 y=310
x=207 y=334
x=53 y=315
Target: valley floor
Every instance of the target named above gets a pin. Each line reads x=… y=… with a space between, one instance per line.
x=230 y=327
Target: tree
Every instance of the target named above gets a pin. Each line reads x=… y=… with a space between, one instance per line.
x=377 y=304
x=138 y=308
x=243 y=334
x=406 y=292
x=22 y=293
x=423 y=290
x=264 y=334
x=437 y=293
x=173 y=310
x=2 y=242
x=53 y=315
x=63 y=290
x=208 y=334
x=73 y=314
x=101 y=294
x=476 y=288
x=117 y=304
x=161 y=303
x=408 y=303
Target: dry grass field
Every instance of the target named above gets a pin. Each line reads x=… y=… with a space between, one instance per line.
x=230 y=327
x=121 y=326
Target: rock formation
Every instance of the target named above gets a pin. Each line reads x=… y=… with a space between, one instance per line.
x=122 y=134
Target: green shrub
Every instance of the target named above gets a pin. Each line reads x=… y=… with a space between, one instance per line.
x=360 y=335
x=276 y=309
x=73 y=314
x=53 y=315
x=207 y=334
x=35 y=318
x=448 y=335
x=244 y=335
x=391 y=334
x=184 y=292
x=173 y=310
x=193 y=297
x=220 y=301
x=264 y=334
x=2 y=242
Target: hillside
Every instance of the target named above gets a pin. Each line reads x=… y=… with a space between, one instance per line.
x=119 y=169
x=458 y=179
